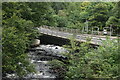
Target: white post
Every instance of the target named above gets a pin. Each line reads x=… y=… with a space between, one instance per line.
x=110 y=30
x=98 y=31
x=86 y=26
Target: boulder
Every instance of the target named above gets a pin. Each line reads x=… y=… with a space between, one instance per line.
x=36 y=42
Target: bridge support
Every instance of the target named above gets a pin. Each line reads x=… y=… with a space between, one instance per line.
x=47 y=39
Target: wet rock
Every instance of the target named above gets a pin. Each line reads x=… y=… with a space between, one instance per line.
x=35 y=43
x=39 y=56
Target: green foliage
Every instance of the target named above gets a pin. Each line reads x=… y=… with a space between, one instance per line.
x=14 y=46
x=0 y=50
x=108 y=59
x=78 y=67
x=23 y=26
x=75 y=14
x=87 y=62
x=42 y=15
x=58 y=67
x=114 y=20
x=102 y=62
x=61 y=21
x=19 y=20
x=100 y=15
x=38 y=13
x=17 y=35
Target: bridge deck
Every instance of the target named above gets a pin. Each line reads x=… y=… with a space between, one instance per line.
x=95 y=39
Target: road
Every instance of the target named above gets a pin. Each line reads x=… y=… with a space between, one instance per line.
x=95 y=39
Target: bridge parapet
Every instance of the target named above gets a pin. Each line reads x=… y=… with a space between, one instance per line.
x=94 y=31
x=63 y=29
x=66 y=33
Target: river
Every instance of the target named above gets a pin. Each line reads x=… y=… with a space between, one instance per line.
x=40 y=56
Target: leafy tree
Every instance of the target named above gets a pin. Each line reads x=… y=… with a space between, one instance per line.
x=61 y=19
x=78 y=67
x=13 y=54
x=86 y=62
x=114 y=19
x=104 y=60
x=59 y=6
x=42 y=15
x=114 y=23
x=19 y=20
x=0 y=51
x=58 y=67
x=100 y=15
x=17 y=35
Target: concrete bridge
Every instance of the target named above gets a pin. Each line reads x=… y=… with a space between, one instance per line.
x=66 y=33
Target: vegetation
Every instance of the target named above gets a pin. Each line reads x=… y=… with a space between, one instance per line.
x=17 y=34
x=58 y=68
x=87 y=62
x=98 y=14
x=19 y=22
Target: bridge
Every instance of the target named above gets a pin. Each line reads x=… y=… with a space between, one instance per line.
x=76 y=33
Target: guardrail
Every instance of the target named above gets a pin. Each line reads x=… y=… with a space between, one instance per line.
x=77 y=31
x=78 y=35
x=63 y=29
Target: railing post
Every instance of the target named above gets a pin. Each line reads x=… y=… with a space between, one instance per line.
x=58 y=28
x=56 y=32
x=92 y=30
x=62 y=30
x=71 y=30
x=52 y=30
x=65 y=29
x=98 y=31
x=68 y=30
x=76 y=31
x=110 y=30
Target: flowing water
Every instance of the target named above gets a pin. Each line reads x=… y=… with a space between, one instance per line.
x=40 y=56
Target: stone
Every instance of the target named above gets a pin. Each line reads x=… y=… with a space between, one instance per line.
x=36 y=42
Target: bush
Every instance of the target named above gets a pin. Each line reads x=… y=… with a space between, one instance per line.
x=102 y=62
x=58 y=67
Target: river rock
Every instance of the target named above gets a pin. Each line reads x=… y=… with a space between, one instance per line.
x=36 y=42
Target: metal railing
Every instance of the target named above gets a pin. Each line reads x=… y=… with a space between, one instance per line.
x=79 y=31
x=67 y=33
x=63 y=29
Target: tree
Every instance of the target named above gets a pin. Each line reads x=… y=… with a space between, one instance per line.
x=100 y=15
x=13 y=53
x=42 y=15
x=17 y=35
x=114 y=19
x=87 y=62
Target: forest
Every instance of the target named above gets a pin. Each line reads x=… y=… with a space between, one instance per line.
x=19 y=20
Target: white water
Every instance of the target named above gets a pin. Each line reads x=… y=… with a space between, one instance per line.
x=40 y=57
